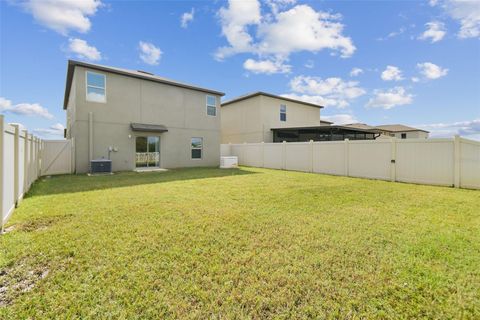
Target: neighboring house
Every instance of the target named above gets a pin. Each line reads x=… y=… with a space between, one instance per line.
x=264 y=117
x=251 y=117
x=139 y=120
x=402 y=132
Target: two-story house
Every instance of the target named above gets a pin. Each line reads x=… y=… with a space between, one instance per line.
x=264 y=117
x=251 y=117
x=139 y=120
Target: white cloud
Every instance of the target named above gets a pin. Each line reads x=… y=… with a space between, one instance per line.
x=235 y=19
x=63 y=15
x=24 y=109
x=187 y=17
x=266 y=66
x=340 y=118
x=470 y=128
x=53 y=130
x=279 y=34
x=329 y=92
x=431 y=71
x=302 y=28
x=277 y=5
x=388 y=99
x=356 y=72
x=392 y=73
x=415 y=79
x=393 y=34
x=316 y=99
x=149 y=53
x=467 y=13
x=83 y=50
x=309 y=64
x=435 y=31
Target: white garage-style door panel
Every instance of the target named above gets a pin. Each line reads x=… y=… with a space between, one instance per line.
x=57 y=157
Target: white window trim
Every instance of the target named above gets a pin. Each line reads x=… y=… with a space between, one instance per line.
x=209 y=105
x=87 y=85
x=192 y=148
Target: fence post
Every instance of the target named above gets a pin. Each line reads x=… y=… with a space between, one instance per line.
x=311 y=155
x=30 y=162
x=456 y=165
x=284 y=155
x=16 y=163
x=25 y=163
x=39 y=156
x=346 y=157
x=2 y=132
x=90 y=136
x=393 y=160
x=35 y=156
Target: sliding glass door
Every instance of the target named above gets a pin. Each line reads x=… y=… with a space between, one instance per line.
x=147 y=152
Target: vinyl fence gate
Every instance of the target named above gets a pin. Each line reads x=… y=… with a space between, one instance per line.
x=57 y=157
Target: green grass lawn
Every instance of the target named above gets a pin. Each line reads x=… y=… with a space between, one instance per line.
x=246 y=243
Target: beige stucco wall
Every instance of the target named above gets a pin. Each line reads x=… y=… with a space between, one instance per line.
x=410 y=135
x=182 y=111
x=250 y=120
x=241 y=121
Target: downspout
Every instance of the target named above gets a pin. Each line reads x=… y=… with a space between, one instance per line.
x=90 y=137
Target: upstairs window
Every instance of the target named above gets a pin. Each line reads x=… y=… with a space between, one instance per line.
x=283 y=112
x=404 y=136
x=211 y=106
x=96 y=87
x=197 y=148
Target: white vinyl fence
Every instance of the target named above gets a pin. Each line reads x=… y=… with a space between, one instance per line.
x=23 y=158
x=19 y=166
x=448 y=162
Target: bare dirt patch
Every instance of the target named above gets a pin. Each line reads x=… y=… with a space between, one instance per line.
x=18 y=279
x=40 y=224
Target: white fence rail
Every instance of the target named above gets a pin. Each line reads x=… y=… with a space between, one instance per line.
x=20 y=163
x=448 y=162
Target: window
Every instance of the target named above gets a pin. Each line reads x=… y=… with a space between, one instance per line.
x=197 y=147
x=96 y=87
x=283 y=112
x=404 y=136
x=211 y=106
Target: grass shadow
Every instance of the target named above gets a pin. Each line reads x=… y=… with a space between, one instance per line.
x=81 y=183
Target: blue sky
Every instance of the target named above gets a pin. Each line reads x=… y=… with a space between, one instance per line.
x=376 y=62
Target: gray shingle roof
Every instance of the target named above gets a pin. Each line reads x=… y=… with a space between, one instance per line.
x=398 y=128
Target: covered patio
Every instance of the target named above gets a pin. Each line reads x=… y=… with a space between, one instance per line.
x=322 y=133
